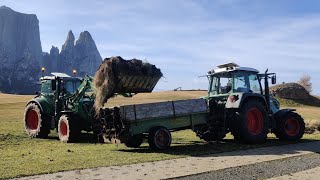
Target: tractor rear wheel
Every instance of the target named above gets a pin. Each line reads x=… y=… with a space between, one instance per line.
x=252 y=125
x=290 y=128
x=67 y=130
x=35 y=123
x=134 y=141
x=159 y=138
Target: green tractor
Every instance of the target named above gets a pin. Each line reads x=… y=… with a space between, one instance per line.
x=240 y=104
x=65 y=103
x=62 y=102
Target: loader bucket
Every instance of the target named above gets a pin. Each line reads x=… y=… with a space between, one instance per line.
x=136 y=84
x=116 y=75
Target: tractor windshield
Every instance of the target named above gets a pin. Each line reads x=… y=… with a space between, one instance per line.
x=231 y=82
x=71 y=86
x=46 y=86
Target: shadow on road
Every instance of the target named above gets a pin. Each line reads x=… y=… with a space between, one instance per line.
x=198 y=148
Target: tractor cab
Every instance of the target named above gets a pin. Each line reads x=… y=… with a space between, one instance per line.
x=231 y=78
x=230 y=85
x=66 y=84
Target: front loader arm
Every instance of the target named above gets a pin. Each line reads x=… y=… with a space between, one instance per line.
x=84 y=86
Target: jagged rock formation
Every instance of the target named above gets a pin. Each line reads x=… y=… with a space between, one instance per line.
x=50 y=61
x=81 y=55
x=87 y=56
x=290 y=91
x=20 y=51
x=21 y=55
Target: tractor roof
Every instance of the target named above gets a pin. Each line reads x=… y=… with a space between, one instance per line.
x=230 y=67
x=57 y=74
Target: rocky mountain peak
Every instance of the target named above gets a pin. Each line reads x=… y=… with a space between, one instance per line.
x=85 y=39
x=69 y=43
x=54 y=50
x=5 y=7
x=85 y=35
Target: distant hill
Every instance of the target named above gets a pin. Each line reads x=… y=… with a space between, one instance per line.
x=290 y=91
x=293 y=94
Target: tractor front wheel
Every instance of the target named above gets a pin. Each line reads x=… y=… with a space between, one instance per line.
x=290 y=127
x=35 y=123
x=67 y=130
x=159 y=138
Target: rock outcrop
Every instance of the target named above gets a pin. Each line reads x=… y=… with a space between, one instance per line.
x=20 y=51
x=50 y=60
x=86 y=55
x=21 y=55
x=81 y=55
x=290 y=91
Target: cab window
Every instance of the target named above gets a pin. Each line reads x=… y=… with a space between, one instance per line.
x=254 y=83
x=241 y=83
x=71 y=86
x=46 y=87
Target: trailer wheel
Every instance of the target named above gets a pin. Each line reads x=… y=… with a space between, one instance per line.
x=252 y=124
x=35 y=122
x=290 y=127
x=67 y=130
x=159 y=138
x=134 y=141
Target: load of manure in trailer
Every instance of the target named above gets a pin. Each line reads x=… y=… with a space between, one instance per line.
x=118 y=76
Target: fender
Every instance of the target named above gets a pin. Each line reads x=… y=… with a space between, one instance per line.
x=43 y=104
x=280 y=114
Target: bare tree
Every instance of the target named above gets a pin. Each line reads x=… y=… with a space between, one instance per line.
x=305 y=81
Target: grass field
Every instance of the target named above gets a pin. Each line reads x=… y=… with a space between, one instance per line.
x=20 y=155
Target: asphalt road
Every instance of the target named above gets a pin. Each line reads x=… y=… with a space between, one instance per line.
x=263 y=170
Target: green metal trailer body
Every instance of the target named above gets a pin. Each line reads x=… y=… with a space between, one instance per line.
x=172 y=123
x=173 y=115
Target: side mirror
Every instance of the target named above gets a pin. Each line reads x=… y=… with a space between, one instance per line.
x=274 y=79
x=37 y=93
x=53 y=85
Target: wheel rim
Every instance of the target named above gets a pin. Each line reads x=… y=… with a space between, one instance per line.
x=292 y=127
x=32 y=119
x=254 y=121
x=161 y=138
x=63 y=128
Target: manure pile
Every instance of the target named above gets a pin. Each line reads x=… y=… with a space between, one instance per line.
x=116 y=75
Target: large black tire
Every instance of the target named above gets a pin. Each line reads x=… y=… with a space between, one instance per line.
x=159 y=138
x=251 y=124
x=67 y=129
x=134 y=141
x=290 y=127
x=35 y=123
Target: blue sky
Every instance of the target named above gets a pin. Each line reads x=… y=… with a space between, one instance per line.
x=188 y=38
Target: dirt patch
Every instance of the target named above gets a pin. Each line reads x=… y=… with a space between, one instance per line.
x=114 y=72
x=312 y=126
x=290 y=91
